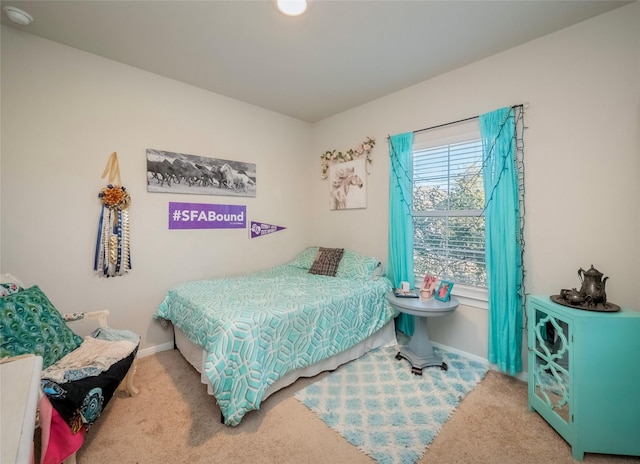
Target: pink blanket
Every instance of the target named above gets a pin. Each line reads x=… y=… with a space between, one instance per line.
x=58 y=443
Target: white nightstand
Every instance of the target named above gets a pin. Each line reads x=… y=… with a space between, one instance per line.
x=20 y=385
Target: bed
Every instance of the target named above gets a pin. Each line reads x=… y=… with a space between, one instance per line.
x=254 y=334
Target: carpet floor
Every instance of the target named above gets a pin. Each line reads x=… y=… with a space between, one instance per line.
x=379 y=406
x=173 y=421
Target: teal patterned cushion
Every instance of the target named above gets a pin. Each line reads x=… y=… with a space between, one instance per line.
x=357 y=266
x=29 y=323
x=306 y=258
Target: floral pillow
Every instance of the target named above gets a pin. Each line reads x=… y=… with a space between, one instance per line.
x=9 y=289
x=306 y=258
x=327 y=261
x=29 y=323
x=356 y=266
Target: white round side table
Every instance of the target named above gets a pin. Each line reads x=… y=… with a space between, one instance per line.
x=419 y=350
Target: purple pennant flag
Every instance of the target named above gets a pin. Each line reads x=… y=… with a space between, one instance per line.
x=206 y=216
x=258 y=229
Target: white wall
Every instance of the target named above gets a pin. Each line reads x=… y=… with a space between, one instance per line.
x=582 y=158
x=63 y=113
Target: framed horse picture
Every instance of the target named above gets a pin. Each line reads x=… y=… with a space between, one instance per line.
x=348 y=183
x=172 y=172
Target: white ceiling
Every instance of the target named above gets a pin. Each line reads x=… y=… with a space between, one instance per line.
x=336 y=56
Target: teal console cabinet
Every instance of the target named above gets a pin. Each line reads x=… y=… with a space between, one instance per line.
x=584 y=375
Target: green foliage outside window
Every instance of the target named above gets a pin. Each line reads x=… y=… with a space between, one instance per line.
x=448 y=202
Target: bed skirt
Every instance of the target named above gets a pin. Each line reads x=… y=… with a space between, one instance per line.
x=196 y=356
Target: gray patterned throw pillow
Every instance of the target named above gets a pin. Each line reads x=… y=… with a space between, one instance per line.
x=327 y=261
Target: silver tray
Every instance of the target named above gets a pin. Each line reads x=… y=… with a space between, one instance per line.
x=600 y=307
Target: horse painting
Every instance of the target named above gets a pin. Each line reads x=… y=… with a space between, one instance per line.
x=183 y=173
x=343 y=178
x=235 y=180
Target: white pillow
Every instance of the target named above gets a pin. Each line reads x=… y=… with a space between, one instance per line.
x=10 y=279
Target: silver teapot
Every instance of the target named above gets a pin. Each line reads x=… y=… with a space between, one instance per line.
x=593 y=285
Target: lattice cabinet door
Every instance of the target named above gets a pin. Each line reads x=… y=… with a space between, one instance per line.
x=550 y=342
x=584 y=375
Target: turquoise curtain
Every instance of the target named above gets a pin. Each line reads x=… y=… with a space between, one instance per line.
x=503 y=239
x=400 y=259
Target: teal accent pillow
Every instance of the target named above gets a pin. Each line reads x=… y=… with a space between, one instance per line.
x=356 y=266
x=306 y=258
x=29 y=323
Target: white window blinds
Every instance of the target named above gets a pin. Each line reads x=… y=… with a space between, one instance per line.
x=448 y=202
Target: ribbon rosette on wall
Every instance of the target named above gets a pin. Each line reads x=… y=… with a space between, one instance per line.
x=113 y=256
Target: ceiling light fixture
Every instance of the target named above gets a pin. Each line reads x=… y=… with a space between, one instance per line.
x=17 y=15
x=292 y=7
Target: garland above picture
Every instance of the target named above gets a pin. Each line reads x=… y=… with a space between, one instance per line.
x=332 y=157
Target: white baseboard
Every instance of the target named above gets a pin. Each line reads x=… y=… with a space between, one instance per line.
x=480 y=359
x=520 y=376
x=155 y=349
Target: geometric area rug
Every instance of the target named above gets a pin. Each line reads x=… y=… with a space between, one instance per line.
x=390 y=414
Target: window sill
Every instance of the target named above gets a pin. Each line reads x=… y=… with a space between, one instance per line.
x=471 y=296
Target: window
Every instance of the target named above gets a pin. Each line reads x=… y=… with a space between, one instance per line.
x=448 y=203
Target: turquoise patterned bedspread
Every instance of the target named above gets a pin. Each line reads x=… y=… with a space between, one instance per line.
x=258 y=327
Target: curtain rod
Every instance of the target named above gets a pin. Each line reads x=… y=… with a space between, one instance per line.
x=521 y=105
